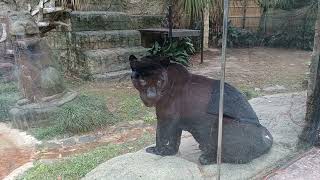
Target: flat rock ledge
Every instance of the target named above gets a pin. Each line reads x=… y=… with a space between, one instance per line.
x=282 y=114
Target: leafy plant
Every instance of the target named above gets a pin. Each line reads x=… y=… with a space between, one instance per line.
x=8 y=88
x=77 y=166
x=238 y=37
x=300 y=36
x=286 y=4
x=6 y=102
x=8 y=97
x=179 y=50
x=85 y=113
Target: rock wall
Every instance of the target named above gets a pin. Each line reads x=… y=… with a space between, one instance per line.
x=145 y=7
x=6 y=5
x=13 y=5
x=22 y=5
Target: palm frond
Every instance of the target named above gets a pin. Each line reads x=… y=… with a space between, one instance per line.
x=286 y=4
x=195 y=7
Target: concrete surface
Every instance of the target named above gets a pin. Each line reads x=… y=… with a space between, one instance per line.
x=306 y=167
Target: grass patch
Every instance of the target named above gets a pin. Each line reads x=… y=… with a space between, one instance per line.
x=249 y=92
x=132 y=108
x=126 y=104
x=8 y=97
x=85 y=113
x=46 y=133
x=79 y=165
x=8 y=88
x=98 y=106
x=150 y=118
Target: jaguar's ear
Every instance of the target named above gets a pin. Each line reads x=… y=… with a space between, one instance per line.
x=132 y=58
x=165 y=61
x=133 y=61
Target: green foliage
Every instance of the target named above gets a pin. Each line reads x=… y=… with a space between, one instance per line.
x=8 y=88
x=8 y=97
x=179 y=50
x=300 y=36
x=83 y=114
x=150 y=118
x=125 y=104
x=241 y=37
x=129 y=106
x=75 y=167
x=286 y=4
x=194 y=7
x=78 y=166
x=238 y=37
x=46 y=133
x=6 y=102
x=249 y=92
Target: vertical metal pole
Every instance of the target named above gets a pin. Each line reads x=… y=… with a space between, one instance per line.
x=202 y=36
x=223 y=70
x=170 y=22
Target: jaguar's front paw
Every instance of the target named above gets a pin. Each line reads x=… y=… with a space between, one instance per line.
x=162 y=151
x=152 y=150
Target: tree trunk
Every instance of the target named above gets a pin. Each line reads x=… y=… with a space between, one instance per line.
x=311 y=132
x=262 y=24
x=206 y=28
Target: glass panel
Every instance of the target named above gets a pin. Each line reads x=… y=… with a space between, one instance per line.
x=130 y=89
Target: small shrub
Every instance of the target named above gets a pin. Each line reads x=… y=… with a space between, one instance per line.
x=46 y=132
x=6 y=102
x=238 y=37
x=249 y=93
x=8 y=88
x=178 y=50
x=297 y=39
x=77 y=166
x=150 y=118
x=84 y=114
x=8 y=97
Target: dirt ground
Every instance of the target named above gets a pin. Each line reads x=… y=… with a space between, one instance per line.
x=257 y=67
x=12 y=156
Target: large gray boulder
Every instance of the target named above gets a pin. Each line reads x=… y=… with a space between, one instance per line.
x=282 y=114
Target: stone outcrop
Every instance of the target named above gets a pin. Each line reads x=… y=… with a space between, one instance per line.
x=103 y=40
x=39 y=77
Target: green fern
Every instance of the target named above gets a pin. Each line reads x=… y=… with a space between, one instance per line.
x=178 y=51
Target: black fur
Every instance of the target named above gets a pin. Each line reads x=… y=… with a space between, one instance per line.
x=182 y=100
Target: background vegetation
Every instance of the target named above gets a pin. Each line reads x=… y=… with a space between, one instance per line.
x=180 y=50
x=95 y=108
x=78 y=166
x=8 y=97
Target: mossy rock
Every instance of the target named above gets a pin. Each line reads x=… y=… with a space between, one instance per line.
x=51 y=81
